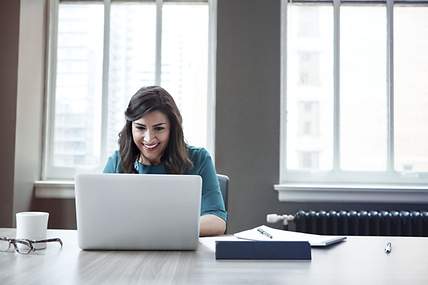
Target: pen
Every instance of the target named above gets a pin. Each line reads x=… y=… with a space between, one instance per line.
x=388 y=248
x=265 y=233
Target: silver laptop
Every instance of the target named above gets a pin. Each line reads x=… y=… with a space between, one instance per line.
x=138 y=212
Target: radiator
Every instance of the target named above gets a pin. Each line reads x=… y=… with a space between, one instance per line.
x=368 y=223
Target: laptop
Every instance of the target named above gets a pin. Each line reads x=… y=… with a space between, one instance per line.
x=138 y=212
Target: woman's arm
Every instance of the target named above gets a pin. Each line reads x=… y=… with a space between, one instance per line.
x=211 y=225
x=213 y=213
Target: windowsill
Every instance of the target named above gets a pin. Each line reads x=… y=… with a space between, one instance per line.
x=290 y=192
x=301 y=192
x=54 y=189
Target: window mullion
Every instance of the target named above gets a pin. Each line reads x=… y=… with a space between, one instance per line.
x=336 y=79
x=51 y=87
x=105 y=80
x=211 y=102
x=390 y=83
x=159 y=4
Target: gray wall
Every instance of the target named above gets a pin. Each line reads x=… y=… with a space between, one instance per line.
x=9 y=33
x=247 y=115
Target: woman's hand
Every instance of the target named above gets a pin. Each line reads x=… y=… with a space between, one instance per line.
x=211 y=225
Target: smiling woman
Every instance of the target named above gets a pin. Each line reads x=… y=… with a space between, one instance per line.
x=152 y=142
x=151 y=135
x=153 y=132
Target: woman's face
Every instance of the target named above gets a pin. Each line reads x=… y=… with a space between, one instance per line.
x=151 y=136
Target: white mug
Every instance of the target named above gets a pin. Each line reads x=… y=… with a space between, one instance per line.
x=32 y=226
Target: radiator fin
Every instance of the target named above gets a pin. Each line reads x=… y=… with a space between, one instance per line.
x=367 y=223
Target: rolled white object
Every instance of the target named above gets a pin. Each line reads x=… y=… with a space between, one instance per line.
x=32 y=226
x=273 y=218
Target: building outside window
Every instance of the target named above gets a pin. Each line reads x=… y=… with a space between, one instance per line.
x=355 y=92
x=102 y=52
x=308 y=160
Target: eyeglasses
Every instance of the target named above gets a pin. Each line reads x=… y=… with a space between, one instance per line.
x=23 y=246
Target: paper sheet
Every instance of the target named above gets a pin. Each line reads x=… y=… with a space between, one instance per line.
x=281 y=235
x=209 y=242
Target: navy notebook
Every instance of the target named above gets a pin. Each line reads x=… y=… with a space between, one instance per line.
x=294 y=250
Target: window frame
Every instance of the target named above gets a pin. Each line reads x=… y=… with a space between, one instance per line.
x=50 y=172
x=340 y=185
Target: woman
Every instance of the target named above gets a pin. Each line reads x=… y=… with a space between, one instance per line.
x=152 y=142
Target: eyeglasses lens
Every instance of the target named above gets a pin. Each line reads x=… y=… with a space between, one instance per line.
x=4 y=245
x=22 y=246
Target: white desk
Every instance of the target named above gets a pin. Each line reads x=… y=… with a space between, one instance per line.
x=360 y=260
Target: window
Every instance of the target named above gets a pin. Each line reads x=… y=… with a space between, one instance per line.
x=308 y=22
x=354 y=94
x=309 y=71
x=308 y=119
x=102 y=52
x=308 y=160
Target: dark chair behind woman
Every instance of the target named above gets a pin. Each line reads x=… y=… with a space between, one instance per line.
x=223 y=180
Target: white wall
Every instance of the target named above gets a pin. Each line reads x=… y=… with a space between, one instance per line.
x=29 y=112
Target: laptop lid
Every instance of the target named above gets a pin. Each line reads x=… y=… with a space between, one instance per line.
x=138 y=212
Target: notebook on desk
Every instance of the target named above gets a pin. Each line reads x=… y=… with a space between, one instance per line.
x=138 y=212
x=264 y=233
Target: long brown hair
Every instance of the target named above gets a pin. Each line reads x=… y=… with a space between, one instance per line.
x=146 y=100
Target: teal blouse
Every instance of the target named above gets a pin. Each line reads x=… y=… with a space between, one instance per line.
x=211 y=201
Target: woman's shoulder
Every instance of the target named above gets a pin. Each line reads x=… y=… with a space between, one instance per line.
x=113 y=163
x=200 y=158
x=197 y=152
x=115 y=155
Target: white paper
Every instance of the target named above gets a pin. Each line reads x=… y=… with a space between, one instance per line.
x=209 y=242
x=281 y=235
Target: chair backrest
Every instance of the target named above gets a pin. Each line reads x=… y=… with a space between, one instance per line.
x=223 y=180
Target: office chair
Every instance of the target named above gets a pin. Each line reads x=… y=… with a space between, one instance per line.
x=223 y=180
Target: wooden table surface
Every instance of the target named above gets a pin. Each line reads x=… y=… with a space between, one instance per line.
x=359 y=260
